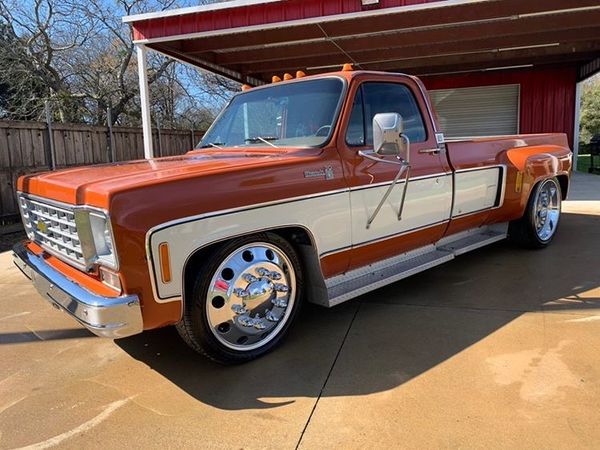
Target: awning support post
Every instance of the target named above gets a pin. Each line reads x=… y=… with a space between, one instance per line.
x=145 y=100
x=577 y=123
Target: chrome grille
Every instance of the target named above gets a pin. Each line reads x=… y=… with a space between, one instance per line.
x=53 y=227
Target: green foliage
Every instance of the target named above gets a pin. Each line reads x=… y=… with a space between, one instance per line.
x=590 y=109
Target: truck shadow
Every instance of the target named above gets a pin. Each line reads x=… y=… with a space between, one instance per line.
x=392 y=335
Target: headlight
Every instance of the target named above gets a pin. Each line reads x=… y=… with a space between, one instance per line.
x=96 y=238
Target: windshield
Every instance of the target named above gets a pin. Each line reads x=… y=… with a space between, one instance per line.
x=294 y=114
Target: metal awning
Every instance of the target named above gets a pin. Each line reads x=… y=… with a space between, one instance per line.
x=251 y=40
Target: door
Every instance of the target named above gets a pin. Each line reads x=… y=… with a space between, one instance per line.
x=477 y=111
x=428 y=201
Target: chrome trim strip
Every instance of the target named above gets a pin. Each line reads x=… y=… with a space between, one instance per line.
x=112 y=317
x=387 y=183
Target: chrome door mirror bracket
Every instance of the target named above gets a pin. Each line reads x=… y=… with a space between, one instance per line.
x=404 y=170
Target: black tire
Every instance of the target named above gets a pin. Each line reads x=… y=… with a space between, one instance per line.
x=195 y=328
x=523 y=231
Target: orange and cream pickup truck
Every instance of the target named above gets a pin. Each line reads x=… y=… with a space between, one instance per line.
x=316 y=189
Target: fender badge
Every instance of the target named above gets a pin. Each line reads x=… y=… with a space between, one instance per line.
x=326 y=172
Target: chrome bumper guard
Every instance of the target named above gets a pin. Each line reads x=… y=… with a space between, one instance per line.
x=112 y=317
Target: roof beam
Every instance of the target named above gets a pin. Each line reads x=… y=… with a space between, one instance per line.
x=578 y=51
x=405 y=38
x=489 y=45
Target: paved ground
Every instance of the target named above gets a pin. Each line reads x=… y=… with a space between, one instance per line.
x=498 y=348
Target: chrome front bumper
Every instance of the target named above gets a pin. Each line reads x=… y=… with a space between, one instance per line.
x=112 y=317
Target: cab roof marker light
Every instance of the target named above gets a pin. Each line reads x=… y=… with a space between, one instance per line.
x=246 y=87
x=300 y=74
x=347 y=68
x=275 y=79
x=287 y=76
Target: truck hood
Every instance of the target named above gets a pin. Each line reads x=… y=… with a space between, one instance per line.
x=93 y=185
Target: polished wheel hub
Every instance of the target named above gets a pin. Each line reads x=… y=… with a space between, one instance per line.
x=250 y=296
x=547 y=210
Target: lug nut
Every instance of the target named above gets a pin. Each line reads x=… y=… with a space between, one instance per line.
x=239 y=309
x=279 y=302
x=249 y=278
x=281 y=287
x=263 y=272
x=245 y=321
x=272 y=317
x=241 y=293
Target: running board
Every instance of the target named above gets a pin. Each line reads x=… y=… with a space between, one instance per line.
x=368 y=278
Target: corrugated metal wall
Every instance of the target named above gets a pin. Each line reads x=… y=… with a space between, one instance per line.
x=547 y=103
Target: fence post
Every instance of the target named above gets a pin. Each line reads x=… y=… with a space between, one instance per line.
x=193 y=139
x=160 y=152
x=111 y=143
x=50 y=135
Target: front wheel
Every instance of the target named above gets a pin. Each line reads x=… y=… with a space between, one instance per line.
x=538 y=226
x=244 y=298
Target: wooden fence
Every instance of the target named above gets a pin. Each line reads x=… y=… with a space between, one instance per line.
x=25 y=148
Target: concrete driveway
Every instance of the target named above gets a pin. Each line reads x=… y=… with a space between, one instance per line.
x=498 y=348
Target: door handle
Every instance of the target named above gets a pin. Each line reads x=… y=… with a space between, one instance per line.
x=431 y=151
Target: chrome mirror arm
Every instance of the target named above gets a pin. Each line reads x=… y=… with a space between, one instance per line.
x=371 y=154
x=404 y=169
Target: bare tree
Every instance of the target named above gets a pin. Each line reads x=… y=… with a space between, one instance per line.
x=80 y=55
x=42 y=38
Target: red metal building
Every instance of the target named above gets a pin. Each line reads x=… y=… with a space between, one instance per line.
x=516 y=63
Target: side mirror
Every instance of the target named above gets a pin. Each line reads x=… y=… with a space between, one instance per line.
x=387 y=136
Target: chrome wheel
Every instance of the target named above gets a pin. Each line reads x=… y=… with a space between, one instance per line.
x=547 y=210
x=250 y=296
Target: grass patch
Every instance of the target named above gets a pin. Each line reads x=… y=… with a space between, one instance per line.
x=583 y=163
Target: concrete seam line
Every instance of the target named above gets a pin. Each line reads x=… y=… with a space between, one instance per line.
x=328 y=375
x=86 y=426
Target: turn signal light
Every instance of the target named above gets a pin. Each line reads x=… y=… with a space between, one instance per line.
x=165 y=262
x=110 y=278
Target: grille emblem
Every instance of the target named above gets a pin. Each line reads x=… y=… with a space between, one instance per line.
x=42 y=226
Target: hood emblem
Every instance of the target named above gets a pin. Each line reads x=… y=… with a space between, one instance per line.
x=325 y=172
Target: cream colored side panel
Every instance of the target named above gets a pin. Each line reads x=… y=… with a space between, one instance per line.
x=428 y=201
x=326 y=217
x=475 y=190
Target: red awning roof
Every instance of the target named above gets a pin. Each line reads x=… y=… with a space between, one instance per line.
x=251 y=40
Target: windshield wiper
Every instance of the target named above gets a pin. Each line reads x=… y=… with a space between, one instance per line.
x=213 y=144
x=264 y=139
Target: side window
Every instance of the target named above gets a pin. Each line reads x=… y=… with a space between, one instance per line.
x=392 y=97
x=355 y=134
